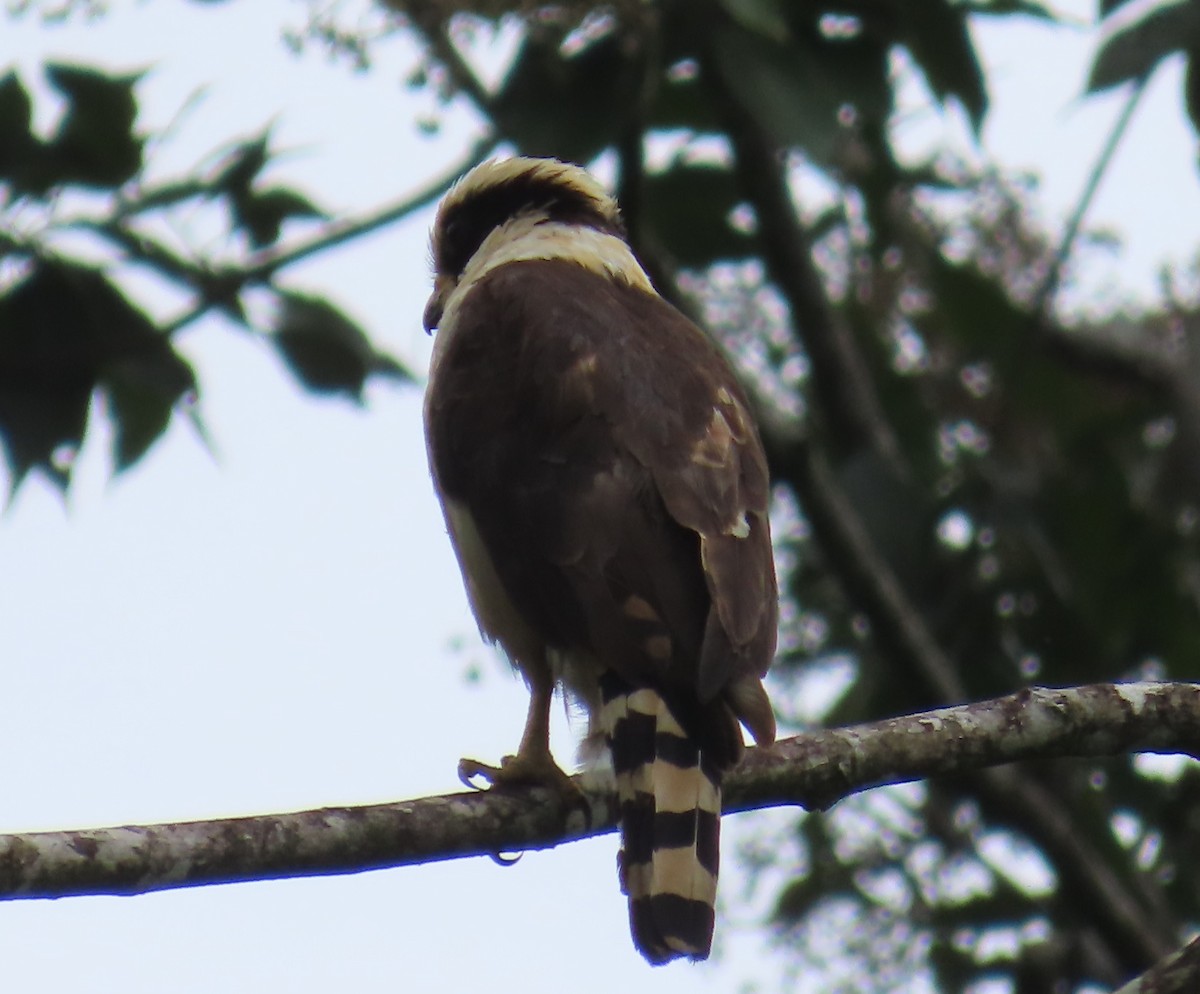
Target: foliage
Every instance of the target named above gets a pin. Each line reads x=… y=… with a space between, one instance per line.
x=68 y=329
x=984 y=491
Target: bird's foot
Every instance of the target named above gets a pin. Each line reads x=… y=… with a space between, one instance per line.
x=526 y=770
x=522 y=770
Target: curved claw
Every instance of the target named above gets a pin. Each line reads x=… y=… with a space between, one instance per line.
x=523 y=769
x=469 y=769
x=537 y=770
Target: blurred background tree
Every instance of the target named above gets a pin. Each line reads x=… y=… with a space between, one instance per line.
x=982 y=481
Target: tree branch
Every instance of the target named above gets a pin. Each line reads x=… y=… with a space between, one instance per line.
x=1135 y=934
x=1178 y=973
x=263 y=265
x=266 y=263
x=813 y=770
x=842 y=382
x=1049 y=287
x=897 y=624
x=868 y=578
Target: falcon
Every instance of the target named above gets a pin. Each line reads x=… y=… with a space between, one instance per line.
x=606 y=493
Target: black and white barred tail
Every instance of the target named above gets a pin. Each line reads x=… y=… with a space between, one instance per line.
x=670 y=806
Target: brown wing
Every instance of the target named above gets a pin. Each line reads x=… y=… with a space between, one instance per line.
x=604 y=450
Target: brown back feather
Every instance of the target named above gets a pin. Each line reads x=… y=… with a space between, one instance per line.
x=586 y=451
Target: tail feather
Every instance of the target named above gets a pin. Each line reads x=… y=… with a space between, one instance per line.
x=670 y=802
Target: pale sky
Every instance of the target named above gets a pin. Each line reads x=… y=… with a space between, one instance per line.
x=283 y=626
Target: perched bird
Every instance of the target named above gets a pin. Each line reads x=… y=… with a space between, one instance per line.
x=606 y=492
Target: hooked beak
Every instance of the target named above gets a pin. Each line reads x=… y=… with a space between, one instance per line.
x=443 y=286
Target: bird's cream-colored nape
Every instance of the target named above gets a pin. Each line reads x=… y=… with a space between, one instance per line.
x=514 y=210
x=529 y=173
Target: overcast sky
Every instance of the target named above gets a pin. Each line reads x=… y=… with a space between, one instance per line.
x=283 y=626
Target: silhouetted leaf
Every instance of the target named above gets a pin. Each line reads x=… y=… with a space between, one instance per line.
x=63 y=330
x=95 y=144
x=974 y=309
x=242 y=165
x=1191 y=88
x=327 y=351
x=262 y=214
x=953 y=968
x=1011 y=7
x=797 y=899
x=936 y=34
x=1135 y=51
x=143 y=389
x=798 y=90
x=1109 y=6
x=17 y=144
x=683 y=103
x=688 y=209
x=767 y=18
x=826 y=874
x=682 y=99
x=567 y=105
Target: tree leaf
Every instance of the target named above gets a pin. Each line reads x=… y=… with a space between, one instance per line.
x=61 y=330
x=242 y=165
x=683 y=103
x=1135 y=51
x=688 y=209
x=18 y=146
x=327 y=351
x=262 y=214
x=681 y=99
x=763 y=17
x=797 y=90
x=95 y=144
x=1004 y=8
x=936 y=34
x=1191 y=88
x=571 y=105
x=1109 y=6
x=953 y=968
x=974 y=310
x=143 y=388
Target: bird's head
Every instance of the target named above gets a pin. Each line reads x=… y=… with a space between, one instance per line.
x=490 y=204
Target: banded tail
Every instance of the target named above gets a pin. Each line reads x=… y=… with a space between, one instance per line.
x=670 y=803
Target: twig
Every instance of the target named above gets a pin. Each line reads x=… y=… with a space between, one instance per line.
x=263 y=265
x=432 y=25
x=270 y=261
x=1049 y=287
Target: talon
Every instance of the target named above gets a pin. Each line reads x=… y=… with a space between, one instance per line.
x=524 y=769
x=469 y=769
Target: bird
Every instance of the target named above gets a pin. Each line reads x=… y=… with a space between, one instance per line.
x=606 y=492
